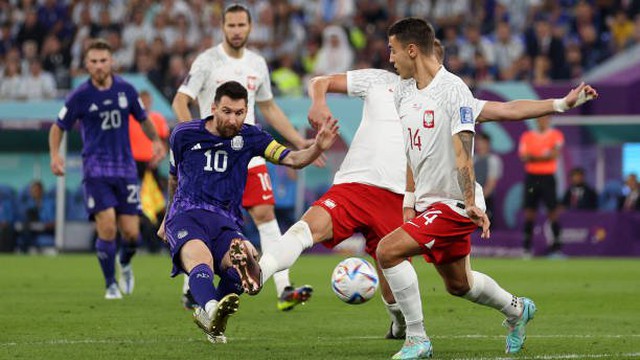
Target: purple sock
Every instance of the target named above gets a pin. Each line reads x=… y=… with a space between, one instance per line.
x=127 y=250
x=201 y=284
x=229 y=283
x=106 y=252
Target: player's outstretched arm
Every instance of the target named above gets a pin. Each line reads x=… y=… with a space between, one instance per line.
x=326 y=137
x=318 y=88
x=57 y=162
x=171 y=190
x=527 y=109
x=180 y=106
x=150 y=131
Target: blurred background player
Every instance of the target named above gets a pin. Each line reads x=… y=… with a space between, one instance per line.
x=488 y=169
x=539 y=150
x=103 y=104
x=630 y=198
x=209 y=159
x=579 y=195
x=152 y=184
x=231 y=60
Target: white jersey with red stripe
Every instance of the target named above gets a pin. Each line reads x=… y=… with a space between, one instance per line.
x=376 y=155
x=430 y=118
x=214 y=67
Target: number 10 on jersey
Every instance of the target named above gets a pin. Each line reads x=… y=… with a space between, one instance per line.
x=414 y=139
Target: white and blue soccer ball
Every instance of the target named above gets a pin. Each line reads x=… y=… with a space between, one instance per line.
x=354 y=280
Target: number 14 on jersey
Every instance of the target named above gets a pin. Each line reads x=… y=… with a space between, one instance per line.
x=414 y=139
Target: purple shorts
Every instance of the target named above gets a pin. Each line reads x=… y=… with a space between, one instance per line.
x=122 y=194
x=215 y=230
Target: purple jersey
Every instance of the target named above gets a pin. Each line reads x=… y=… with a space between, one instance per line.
x=104 y=119
x=212 y=170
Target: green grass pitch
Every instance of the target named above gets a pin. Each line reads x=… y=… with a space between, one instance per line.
x=53 y=308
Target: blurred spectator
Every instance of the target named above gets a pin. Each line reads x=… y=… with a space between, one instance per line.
x=475 y=43
x=10 y=86
x=52 y=15
x=630 y=199
x=519 y=12
x=122 y=56
x=31 y=29
x=622 y=30
x=508 y=50
x=593 y=48
x=37 y=220
x=38 y=84
x=104 y=25
x=334 y=11
x=287 y=81
x=176 y=74
x=335 y=56
x=579 y=195
x=56 y=61
x=136 y=29
x=6 y=38
x=541 y=42
x=488 y=169
x=574 y=68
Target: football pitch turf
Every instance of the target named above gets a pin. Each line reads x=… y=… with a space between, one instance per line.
x=53 y=308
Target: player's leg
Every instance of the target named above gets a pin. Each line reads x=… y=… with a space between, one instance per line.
x=531 y=200
x=392 y=255
x=398 y=327
x=481 y=289
x=106 y=250
x=551 y=203
x=129 y=226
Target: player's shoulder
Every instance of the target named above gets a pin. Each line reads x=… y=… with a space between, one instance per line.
x=186 y=127
x=81 y=91
x=251 y=130
x=121 y=83
x=208 y=57
x=451 y=81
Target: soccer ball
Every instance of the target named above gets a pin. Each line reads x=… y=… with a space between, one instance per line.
x=354 y=280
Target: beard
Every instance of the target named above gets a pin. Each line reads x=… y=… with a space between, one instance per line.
x=227 y=131
x=100 y=78
x=236 y=44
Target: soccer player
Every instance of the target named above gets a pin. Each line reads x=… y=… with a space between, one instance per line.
x=438 y=114
x=111 y=188
x=231 y=60
x=208 y=172
x=367 y=193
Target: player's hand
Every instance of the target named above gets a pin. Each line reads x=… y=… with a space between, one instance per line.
x=321 y=161
x=318 y=115
x=161 y=234
x=328 y=134
x=159 y=152
x=480 y=218
x=580 y=95
x=408 y=214
x=57 y=165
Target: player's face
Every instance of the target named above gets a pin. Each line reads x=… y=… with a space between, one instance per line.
x=98 y=63
x=399 y=57
x=229 y=115
x=236 y=29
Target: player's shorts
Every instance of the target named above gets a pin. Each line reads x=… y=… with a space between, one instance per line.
x=369 y=210
x=540 y=188
x=443 y=234
x=258 y=189
x=214 y=229
x=122 y=194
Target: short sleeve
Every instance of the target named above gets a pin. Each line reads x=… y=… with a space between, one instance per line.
x=360 y=81
x=174 y=151
x=462 y=108
x=264 y=90
x=68 y=114
x=137 y=107
x=193 y=83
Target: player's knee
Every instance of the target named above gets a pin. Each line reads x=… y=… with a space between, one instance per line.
x=262 y=214
x=458 y=288
x=385 y=255
x=106 y=231
x=130 y=235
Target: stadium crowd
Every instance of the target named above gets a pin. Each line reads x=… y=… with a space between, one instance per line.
x=41 y=42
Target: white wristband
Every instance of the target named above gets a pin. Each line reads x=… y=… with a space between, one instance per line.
x=409 y=200
x=560 y=105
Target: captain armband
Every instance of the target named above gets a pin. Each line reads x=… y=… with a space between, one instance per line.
x=275 y=152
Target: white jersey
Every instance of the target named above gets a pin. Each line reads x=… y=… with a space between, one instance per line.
x=376 y=155
x=430 y=117
x=214 y=67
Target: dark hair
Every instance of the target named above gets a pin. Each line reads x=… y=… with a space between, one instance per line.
x=577 y=170
x=236 y=8
x=414 y=31
x=99 y=44
x=233 y=90
x=438 y=49
x=484 y=136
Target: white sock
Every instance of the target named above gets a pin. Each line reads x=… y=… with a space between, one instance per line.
x=403 y=282
x=283 y=253
x=395 y=314
x=486 y=291
x=185 y=284
x=210 y=307
x=269 y=235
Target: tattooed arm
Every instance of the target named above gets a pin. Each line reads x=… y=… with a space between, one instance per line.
x=463 y=146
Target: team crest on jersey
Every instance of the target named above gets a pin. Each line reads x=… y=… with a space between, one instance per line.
x=237 y=143
x=466 y=115
x=428 y=119
x=122 y=100
x=251 y=82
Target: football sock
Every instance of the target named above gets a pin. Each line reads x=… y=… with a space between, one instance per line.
x=269 y=234
x=127 y=250
x=395 y=314
x=486 y=291
x=185 y=284
x=528 y=234
x=555 y=229
x=201 y=284
x=284 y=253
x=229 y=283
x=106 y=252
x=403 y=281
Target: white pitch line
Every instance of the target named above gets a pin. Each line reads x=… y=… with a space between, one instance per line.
x=558 y=356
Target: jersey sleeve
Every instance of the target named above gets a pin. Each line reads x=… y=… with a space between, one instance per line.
x=264 y=90
x=193 y=83
x=174 y=151
x=268 y=148
x=68 y=114
x=136 y=108
x=462 y=108
x=359 y=81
